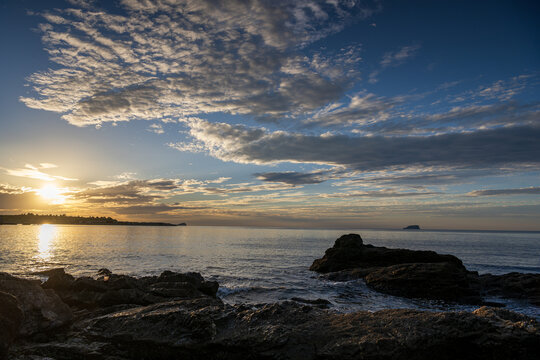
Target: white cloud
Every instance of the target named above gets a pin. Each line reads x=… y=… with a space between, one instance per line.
x=34 y=172
x=151 y=60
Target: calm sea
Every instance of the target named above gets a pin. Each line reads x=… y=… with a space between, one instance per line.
x=256 y=265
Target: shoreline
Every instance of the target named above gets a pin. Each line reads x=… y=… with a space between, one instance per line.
x=179 y=315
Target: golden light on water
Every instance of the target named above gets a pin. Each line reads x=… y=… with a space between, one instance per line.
x=46 y=236
x=52 y=194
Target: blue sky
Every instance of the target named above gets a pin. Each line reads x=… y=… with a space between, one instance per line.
x=267 y=113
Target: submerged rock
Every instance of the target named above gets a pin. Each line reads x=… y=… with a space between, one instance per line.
x=437 y=281
x=349 y=253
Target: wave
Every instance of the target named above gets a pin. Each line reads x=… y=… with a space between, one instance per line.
x=506 y=268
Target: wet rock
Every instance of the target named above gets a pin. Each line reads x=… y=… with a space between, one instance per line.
x=349 y=253
x=437 y=281
x=512 y=285
x=42 y=308
x=11 y=317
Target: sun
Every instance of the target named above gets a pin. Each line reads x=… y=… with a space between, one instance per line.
x=52 y=194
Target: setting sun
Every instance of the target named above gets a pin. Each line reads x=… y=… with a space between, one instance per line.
x=52 y=194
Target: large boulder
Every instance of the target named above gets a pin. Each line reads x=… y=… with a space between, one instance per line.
x=11 y=317
x=349 y=252
x=42 y=308
x=438 y=281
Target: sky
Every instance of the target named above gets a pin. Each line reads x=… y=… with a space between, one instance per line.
x=308 y=114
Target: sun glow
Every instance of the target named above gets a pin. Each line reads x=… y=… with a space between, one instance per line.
x=52 y=194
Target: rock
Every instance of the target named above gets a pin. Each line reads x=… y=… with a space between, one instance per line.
x=209 y=288
x=109 y=289
x=203 y=327
x=11 y=317
x=437 y=281
x=50 y=272
x=349 y=241
x=104 y=272
x=42 y=308
x=512 y=285
x=206 y=328
x=350 y=253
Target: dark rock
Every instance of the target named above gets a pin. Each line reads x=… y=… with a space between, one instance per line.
x=109 y=289
x=412 y=227
x=512 y=285
x=42 y=308
x=206 y=328
x=348 y=275
x=50 y=272
x=349 y=241
x=58 y=280
x=349 y=254
x=318 y=302
x=437 y=281
x=203 y=327
x=104 y=272
x=209 y=288
x=11 y=317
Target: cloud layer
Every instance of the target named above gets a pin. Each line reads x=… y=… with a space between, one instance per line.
x=155 y=59
x=495 y=147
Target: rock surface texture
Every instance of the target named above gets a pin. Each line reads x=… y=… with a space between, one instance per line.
x=203 y=327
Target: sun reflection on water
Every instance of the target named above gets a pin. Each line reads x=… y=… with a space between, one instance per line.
x=46 y=236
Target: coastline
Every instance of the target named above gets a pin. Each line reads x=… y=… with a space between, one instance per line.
x=179 y=315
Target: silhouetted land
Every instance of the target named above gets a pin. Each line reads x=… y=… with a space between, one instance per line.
x=412 y=227
x=33 y=219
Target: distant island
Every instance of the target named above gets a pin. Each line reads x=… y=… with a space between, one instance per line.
x=35 y=219
x=412 y=227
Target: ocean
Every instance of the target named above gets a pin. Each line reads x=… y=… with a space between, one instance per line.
x=254 y=265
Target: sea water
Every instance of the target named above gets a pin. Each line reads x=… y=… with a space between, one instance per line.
x=254 y=265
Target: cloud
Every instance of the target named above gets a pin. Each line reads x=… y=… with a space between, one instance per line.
x=34 y=172
x=495 y=192
x=494 y=147
x=384 y=193
x=457 y=119
x=400 y=56
x=150 y=59
x=152 y=209
x=156 y=128
x=293 y=177
x=363 y=109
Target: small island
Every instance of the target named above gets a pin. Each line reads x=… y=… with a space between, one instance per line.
x=36 y=219
x=412 y=227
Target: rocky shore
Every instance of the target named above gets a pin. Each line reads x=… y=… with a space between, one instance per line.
x=179 y=316
x=420 y=274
